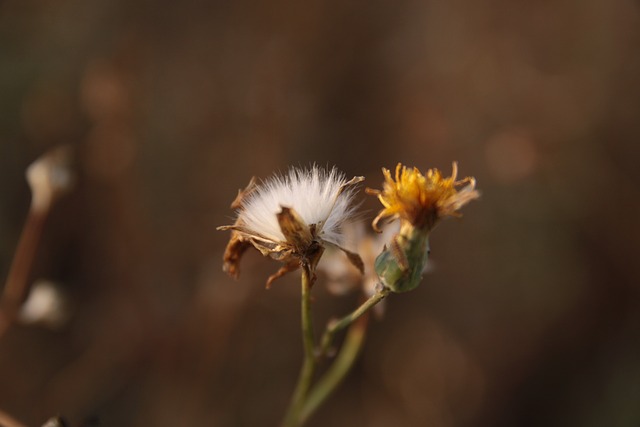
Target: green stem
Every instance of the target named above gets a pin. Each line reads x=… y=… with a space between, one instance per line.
x=338 y=370
x=338 y=325
x=292 y=417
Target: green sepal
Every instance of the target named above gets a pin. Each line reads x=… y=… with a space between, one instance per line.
x=401 y=263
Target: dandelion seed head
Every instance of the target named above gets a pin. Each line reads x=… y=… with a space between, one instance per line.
x=317 y=195
x=292 y=218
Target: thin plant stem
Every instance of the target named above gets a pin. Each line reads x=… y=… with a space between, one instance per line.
x=17 y=284
x=338 y=370
x=7 y=420
x=338 y=325
x=48 y=178
x=292 y=417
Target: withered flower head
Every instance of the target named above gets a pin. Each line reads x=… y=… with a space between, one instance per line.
x=422 y=200
x=341 y=275
x=291 y=219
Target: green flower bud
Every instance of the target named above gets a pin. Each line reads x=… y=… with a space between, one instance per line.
x=400 y=265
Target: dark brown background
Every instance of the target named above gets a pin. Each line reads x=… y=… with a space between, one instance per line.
x=531 y=314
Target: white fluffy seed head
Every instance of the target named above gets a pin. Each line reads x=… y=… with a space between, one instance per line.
x=315 y=194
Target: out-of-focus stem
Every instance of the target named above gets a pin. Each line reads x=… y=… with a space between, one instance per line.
x=16 y=286
x=49 y=177
x=7 y=420
x=292 y=418
x=338 y=370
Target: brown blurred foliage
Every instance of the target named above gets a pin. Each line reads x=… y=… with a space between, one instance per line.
x=531 y=314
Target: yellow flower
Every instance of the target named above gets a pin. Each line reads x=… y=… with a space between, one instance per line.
x=422 y=200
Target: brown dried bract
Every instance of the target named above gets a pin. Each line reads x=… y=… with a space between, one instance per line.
x=302 y=247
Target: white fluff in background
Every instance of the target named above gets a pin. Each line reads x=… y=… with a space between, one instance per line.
x=45 y=305
x=312 y=193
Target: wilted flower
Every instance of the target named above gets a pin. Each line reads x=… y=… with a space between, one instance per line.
x=342 y=276
x=419 y=201
x=291 y=219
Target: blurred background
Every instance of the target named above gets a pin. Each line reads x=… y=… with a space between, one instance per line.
x=530 y=314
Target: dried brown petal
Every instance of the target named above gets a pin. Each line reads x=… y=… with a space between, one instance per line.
x=236 y=247
x=294 y=229
x=353 y=258
x=287 y=268
x=244 y=193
